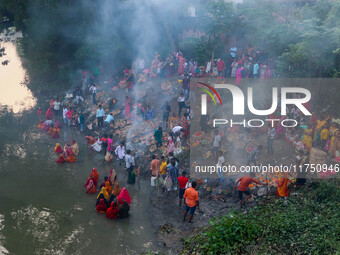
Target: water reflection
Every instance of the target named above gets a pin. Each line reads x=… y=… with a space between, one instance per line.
x=14 y=93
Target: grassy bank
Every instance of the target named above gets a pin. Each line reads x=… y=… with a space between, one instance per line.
x=308 y=224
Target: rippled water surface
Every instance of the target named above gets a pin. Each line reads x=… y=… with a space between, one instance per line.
x=43 y=207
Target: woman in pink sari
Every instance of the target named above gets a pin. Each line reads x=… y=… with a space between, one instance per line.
x=279 y=127
x=181 y=61
x=124 y=196
x=127 y=107
x=238 y=79
x=268 y=73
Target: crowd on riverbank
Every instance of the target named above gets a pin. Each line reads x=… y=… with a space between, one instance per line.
x=121 y=121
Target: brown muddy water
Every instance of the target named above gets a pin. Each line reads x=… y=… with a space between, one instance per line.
x=43 y=206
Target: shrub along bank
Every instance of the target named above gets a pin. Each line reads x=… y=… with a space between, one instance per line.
x=309 y=223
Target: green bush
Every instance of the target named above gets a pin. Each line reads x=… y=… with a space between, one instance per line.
x=308 y=224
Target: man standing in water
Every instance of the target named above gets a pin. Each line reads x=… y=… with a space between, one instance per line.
x=191 y=201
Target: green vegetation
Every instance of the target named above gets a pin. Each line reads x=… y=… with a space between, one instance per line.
x=308 y=224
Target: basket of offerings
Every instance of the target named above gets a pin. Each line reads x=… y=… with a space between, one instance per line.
x=166 y=87
x=123 y=84
x=206 y=139
x=198 y=134
x=140 y=94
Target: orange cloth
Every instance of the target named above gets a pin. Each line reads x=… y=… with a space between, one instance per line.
x=245 y=181
x=71 y=159
x=191 y=196
x=282 y=186
x=95 y=175
x=116 y=190
x=50 y=131
x=108 y=187
x=41 y=123
x=56 y=132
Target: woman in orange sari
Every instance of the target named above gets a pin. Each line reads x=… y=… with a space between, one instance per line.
x=50 y=131
x=108 y=187
x=95 y=175
x=282 y=186
x=56 y=132
x=116 y=190
x=41 y=123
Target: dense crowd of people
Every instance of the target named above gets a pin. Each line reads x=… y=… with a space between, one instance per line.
x=321 y=132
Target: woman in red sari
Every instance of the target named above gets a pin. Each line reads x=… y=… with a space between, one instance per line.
x=112 y=212
x=127 y=107
x=181 y=61
x=91 y=178
x=49 y=114
x=91 y=188
x=61 y=159
x=101 y=207
x=70 y=157
x=58 y=148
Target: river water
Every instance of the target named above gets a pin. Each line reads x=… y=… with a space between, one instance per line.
x=43 y=206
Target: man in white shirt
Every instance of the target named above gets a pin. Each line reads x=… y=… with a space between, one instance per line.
x=220 y=163
x=56 y=107
x=120 y=152
x=65 y=110
x=129 y=161
x=108 y=120
x=177 y=130
x=93 y=90
x=181 y=104
x=216 y=143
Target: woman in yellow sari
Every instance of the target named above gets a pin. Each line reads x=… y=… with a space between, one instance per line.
x=104 y=192
x=333 y=133
x=319 y=126
x=307 y=138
